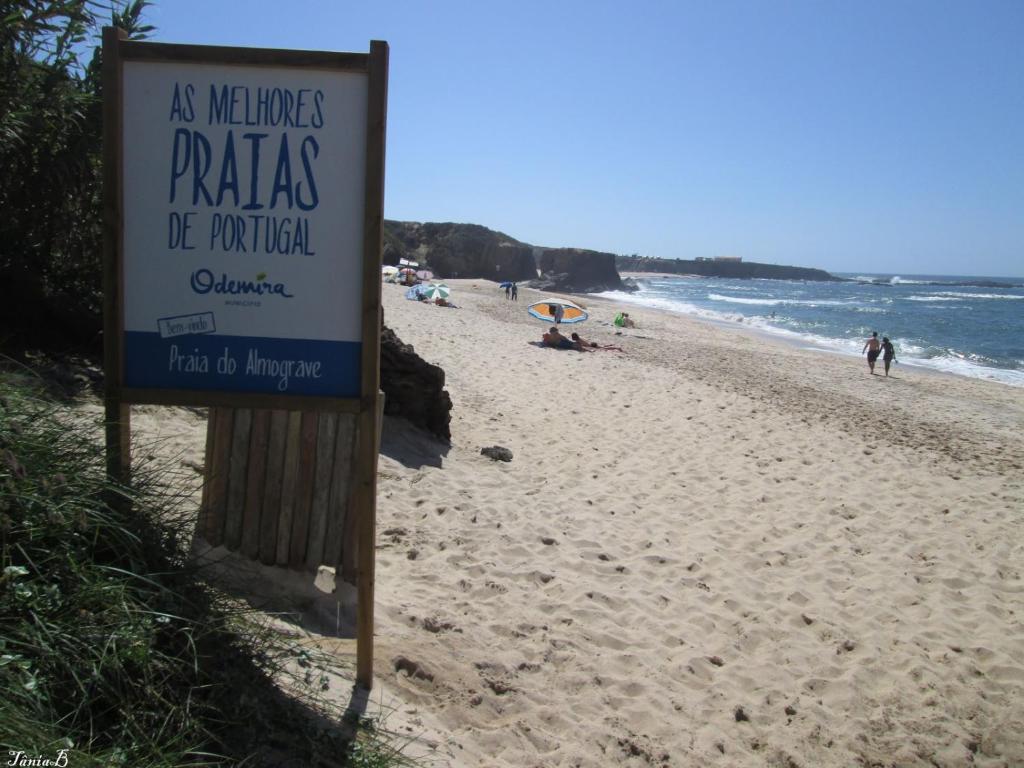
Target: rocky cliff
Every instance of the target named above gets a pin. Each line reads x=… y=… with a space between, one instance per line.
x=470 y=250
x=473 y=251
x=576 y=270
x=738 y=269
x=459 y=250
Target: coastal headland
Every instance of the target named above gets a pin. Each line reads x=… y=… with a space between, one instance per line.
x=716 y=268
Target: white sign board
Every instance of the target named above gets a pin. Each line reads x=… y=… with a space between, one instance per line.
x=243 y=210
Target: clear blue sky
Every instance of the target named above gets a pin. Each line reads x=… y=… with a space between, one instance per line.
x=852 y=136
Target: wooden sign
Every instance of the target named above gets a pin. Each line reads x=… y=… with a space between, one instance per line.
x=244 y=195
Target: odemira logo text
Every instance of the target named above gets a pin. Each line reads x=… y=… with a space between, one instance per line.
x=204 y=281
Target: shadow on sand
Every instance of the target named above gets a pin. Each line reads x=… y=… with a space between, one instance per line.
x=411 y=446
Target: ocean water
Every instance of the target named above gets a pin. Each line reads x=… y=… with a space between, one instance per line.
x=933 y=321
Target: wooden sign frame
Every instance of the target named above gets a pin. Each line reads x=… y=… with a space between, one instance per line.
x=118 y=397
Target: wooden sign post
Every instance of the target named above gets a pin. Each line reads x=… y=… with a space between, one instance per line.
x=243 y=222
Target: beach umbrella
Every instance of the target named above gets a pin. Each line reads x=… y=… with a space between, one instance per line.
x=425 y=274
x=407 y=271
x=571 y=313
x=506 y=284
x=387 y=269
x=437 y=291
x=413 y=294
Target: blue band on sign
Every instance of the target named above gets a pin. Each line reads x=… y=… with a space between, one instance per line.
x=242 y=364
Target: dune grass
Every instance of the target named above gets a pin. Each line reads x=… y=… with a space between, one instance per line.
x=111 y=645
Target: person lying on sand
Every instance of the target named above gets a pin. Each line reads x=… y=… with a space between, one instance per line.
x=589 y=346
x=555 y=339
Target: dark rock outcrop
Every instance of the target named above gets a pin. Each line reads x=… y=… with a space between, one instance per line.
x=736 y=269
x=473 y=251
x=497 y=453
x=413 y=388
x=576 y=270
x=459 y=250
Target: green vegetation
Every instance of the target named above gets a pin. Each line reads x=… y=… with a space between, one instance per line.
x=51 y=133
x=111 y=645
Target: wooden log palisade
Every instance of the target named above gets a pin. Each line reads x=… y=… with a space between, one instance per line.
x=257 y=461
x=280 y=488
x=290 y=478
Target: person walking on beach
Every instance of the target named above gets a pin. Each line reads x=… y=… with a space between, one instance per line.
x=888 y=353
x=515 y=292
x=873 y=348
x=557 y=311
x=508 y=289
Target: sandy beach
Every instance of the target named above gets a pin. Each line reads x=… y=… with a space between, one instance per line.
x=712 y=550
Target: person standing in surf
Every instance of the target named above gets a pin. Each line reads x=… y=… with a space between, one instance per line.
x=873 y=348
